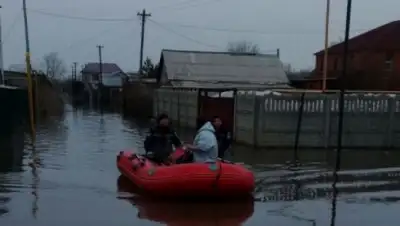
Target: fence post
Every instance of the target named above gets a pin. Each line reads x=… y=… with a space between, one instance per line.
x=178 y=107
x=234 y=115
x=261 y=118
x=327 y=120
x=391 y=119
x=256 y=116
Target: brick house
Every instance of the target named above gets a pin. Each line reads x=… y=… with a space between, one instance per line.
x=373 y=61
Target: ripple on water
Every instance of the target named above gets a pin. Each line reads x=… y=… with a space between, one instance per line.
x=77 y=174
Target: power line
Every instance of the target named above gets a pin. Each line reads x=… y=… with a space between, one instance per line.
x=196 y=3
x=12 y=26
x=230 y=30
x=176 y=4
x=79 y=17
x=88 y=39
x=183 y=36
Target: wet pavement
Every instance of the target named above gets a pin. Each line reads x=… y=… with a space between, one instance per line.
x=78 y=183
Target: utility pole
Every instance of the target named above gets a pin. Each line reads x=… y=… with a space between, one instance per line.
x=1 y=55
x=143 y=16
x=29 y=71
x=100 y=47
x=100 y=84
x=325 y=65
x=74 y=74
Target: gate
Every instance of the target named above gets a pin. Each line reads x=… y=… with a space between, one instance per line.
x=223 y=107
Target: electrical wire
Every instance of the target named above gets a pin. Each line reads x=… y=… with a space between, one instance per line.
x=79 y=17
x=196 y=3
x=164 y=25
x=10 y=29
x=179 y=5
x=89 y=39
x=259 y=32
x=112 y=48
x=183 y=36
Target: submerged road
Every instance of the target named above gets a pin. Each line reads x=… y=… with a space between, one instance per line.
x=77 y=182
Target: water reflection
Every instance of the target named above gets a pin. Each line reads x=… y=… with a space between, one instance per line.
x=313 y=182
x=11 y=148
x=11 y=158
x=181 y=212
x=334 y=202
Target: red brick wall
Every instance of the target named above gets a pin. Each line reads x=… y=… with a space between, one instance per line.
x=370 y=64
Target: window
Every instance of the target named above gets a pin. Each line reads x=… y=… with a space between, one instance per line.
x=389 y=61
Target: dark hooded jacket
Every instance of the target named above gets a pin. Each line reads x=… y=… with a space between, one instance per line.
x=159 y=141
x=224 y=141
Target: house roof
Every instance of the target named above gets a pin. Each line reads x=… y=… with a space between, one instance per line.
x=225 y=85
x=382 y=38
x=222 y=69
x=93 y=68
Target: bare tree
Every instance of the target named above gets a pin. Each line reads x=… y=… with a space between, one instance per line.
x=53 y=65
x=243 y=47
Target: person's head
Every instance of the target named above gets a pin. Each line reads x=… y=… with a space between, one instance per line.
x=217 y=122
x=163 y=120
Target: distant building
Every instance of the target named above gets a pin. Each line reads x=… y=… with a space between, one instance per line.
x=91 y=71
x=220 y=70
x=112 y=78
x=373 y=61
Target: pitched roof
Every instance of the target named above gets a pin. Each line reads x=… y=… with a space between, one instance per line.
x=95 y=68
x=382 y=38
x=223 y=67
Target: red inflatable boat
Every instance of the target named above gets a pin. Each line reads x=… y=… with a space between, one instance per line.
x=221 y=179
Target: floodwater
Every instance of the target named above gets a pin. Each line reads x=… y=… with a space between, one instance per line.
x=78 y=182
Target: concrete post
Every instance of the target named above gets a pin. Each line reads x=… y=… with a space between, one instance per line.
x=390 y=121
x=327 y=120
x=256 y=116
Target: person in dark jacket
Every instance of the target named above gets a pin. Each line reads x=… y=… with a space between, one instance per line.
x=223 y=136
x=160 y=140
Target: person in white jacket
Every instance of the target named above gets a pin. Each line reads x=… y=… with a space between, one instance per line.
x=205 y=145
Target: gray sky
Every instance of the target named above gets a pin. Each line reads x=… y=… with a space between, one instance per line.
x=296 y=27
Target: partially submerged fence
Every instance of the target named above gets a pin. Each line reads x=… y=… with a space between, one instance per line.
x=270 y=119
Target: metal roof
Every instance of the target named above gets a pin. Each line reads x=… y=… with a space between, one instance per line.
x=383 y=38
x=225 y=85
x=222 y=67
x=95 y=68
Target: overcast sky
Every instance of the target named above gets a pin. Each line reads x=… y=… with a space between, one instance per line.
x=294 y=26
